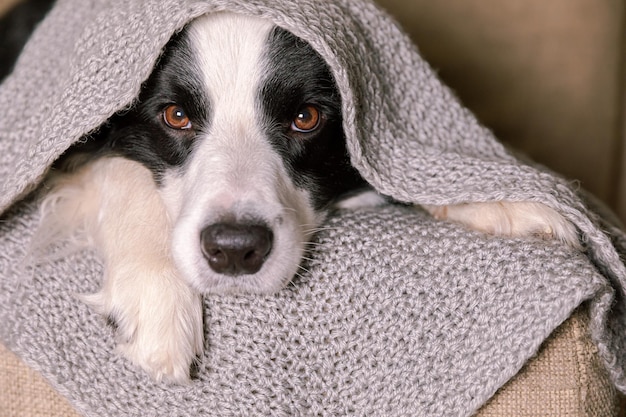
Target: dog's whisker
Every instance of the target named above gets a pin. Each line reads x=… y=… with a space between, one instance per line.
x=315 y=244
x=291 y=282
x=309 y=225
x=319 y=229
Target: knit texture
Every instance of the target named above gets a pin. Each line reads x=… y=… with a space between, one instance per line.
x=397 y=314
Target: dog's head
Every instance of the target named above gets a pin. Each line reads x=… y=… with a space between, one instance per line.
x=241 y=125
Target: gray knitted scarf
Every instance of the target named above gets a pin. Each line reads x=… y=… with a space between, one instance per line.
x=397 y=314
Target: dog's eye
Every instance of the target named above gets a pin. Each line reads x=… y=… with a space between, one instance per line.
x=175 y=117
x=307 y=119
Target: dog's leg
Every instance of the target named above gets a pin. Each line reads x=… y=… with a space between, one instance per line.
x=498 y=218
x=158 y=316
x=510 y=219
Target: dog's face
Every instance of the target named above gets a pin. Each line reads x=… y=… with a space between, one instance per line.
x=241 y=125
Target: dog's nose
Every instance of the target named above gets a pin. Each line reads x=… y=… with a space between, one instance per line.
x=236 y=249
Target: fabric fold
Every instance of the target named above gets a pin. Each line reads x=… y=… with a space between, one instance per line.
x=412 y=316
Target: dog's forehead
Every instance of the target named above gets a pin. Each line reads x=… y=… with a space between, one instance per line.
x=229 y=51
x=238 y=55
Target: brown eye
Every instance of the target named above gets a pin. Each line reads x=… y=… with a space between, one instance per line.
x=175 y=117
x=307 y=119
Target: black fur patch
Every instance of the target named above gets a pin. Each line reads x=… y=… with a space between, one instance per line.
x=16 y=26
x=298 y=76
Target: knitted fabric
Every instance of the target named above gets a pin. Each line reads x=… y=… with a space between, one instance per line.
x=397 y=314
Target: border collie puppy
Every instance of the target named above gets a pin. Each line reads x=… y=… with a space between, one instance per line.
x=215 y=180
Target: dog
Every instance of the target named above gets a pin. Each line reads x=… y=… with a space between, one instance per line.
x=215 y=180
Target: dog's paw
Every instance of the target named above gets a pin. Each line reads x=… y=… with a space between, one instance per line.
x=514 y=219
x=158 y=321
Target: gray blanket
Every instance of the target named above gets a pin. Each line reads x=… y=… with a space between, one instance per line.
x=398 y=314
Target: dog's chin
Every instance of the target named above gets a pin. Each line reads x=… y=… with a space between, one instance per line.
x=259 y=283
x=272 y=277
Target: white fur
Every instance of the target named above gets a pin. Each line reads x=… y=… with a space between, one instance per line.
x=158 y=315
x=513 y=219
x=148 y=237
x=369 y=198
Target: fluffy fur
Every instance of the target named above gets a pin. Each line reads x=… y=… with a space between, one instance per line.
x=154 y=200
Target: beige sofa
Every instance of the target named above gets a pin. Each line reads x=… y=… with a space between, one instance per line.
x=546 y=76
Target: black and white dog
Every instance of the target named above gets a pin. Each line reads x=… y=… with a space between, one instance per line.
x=216 y=179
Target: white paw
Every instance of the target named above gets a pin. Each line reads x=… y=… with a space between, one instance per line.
x=366 y=198
x=515 y=219
x=158 y=320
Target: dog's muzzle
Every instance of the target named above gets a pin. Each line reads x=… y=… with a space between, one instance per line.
x=236 y=249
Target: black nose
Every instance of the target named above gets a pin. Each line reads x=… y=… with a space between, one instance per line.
x=236 y=249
